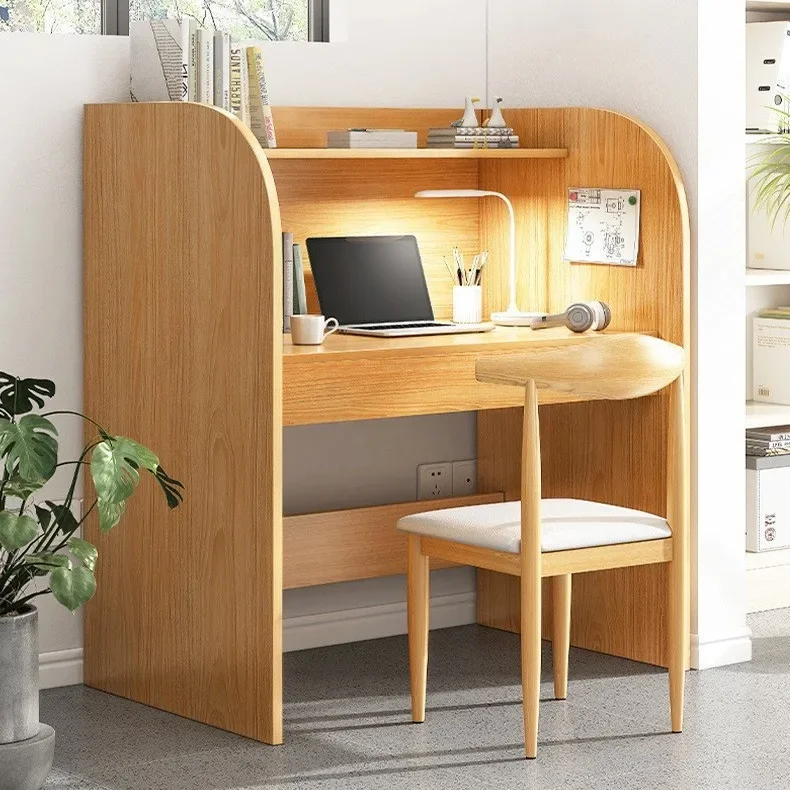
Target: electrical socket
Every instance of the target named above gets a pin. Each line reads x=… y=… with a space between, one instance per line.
x=464 y=477
x=434 y=481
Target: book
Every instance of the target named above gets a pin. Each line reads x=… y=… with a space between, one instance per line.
x=288 y=279
x=222 y=70
x=477 y=144
x=481 y=142
x=371 y=138
x=192 y=71
x=300 y=296
x=762 y=452
x=779 y=433
x=469 y=131
x=205 y=79
x=159 y=60
x=261 y=118
x=238 y=83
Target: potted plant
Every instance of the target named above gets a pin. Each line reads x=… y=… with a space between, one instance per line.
x=41 y=553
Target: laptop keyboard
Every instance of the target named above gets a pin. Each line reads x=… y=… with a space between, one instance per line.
x=416 y=325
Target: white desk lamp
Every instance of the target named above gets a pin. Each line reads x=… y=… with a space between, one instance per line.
x=512 y=316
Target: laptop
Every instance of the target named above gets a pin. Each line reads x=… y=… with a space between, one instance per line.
x=375 y=285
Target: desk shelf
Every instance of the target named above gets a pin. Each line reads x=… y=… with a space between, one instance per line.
x=416 y=153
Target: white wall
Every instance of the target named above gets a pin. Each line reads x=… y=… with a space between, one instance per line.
x=45 y=81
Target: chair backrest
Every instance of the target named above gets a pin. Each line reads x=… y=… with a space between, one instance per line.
x=598 y=367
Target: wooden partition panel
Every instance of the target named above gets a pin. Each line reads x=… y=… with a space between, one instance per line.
x=183 y=345
x=612 y=452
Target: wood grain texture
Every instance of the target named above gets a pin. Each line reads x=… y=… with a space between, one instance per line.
x=464 y=554
x=343 y=545
x=561 y=587
x=188 y=613
x=415 y=153
x=435 y=374
x=613 y=611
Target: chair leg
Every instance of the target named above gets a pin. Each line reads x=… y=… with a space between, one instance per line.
x=561 y=632
x=418 y=607
x=530 y=659
x=678 y=641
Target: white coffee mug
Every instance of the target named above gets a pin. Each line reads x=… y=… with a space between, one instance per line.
x=310 y=330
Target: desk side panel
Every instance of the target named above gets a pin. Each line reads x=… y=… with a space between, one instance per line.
x=183 y=351
x=613 y=452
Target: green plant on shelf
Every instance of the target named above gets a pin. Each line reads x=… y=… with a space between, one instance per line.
x=38 y=539
x=769 y=169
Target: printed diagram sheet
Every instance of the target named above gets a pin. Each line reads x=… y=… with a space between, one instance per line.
x=603 y=226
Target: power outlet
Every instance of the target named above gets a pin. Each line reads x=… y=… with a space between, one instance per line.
x=434 y=481
x=464 y=478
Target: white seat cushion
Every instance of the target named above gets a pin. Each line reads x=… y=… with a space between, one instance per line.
x=566 y=524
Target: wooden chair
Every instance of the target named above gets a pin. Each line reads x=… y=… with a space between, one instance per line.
x=558 y=537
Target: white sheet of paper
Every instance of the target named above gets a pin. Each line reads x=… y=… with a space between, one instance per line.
x=603 y=226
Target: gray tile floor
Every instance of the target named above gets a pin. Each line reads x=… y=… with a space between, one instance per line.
x=347 y=726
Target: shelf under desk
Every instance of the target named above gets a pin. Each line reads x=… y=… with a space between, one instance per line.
x=351 y=377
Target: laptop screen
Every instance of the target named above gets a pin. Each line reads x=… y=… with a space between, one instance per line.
x=370 y=280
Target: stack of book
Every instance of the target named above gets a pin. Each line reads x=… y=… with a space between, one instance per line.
x=371 y=138
x=764 y=442
x=294 y=296
x=174 y=60
x=472 y=137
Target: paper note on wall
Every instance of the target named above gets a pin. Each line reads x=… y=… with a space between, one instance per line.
x=603 y=226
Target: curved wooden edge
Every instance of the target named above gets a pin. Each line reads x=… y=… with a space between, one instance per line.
x=183 y=292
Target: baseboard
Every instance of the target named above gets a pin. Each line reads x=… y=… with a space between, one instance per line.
x=64 y=667
x=733 y=648
x=372 y=622
x=60 y=668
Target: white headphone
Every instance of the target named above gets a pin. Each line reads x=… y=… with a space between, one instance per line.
x=579 y=317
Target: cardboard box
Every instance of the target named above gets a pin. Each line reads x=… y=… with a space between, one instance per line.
x=767 y=503
x=771 y=357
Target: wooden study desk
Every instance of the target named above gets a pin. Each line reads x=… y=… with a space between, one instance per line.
x=363 y=378
x=184 y=351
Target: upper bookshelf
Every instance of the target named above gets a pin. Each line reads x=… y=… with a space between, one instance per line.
x=416 y=153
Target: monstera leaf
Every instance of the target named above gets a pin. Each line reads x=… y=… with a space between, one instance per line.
x=85 y=552
x=30 y=447
x=20 y=396
x=15 y=530
x=115 y=466
x=72 y=587
x=110 y=514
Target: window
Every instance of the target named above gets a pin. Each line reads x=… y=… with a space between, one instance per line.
x=275 y=20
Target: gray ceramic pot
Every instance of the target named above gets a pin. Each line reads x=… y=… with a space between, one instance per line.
x=19 y=676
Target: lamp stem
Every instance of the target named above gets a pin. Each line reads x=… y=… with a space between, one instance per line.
x=512 y=307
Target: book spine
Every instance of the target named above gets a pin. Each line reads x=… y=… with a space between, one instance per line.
x=192 y=76
x=205 y=66
x=246 y=109
x=222 y=71
x=261 y=118
x=772 y=444
x=288 y=279
x=236 y=95
x=185 y=50
x=300 y=293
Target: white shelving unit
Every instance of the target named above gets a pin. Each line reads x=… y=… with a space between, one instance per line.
x=758 y=277
x=767 y=573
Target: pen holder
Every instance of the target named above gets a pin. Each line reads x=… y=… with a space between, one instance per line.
x=467 y=304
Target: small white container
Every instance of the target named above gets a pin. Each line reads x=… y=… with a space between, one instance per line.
x=467 y=304
x=767 y=504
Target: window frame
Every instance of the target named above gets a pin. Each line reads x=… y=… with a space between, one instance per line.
x=115 y=19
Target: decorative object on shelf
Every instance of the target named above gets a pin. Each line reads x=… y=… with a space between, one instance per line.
x=512 y=316
x=371 y=138
x=579 y=317
x=496 y=120
x=38 y=541
x=469 y=119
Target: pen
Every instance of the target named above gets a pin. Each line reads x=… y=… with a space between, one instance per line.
x=452 y=275
x=479 y=273
x=459 y=265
